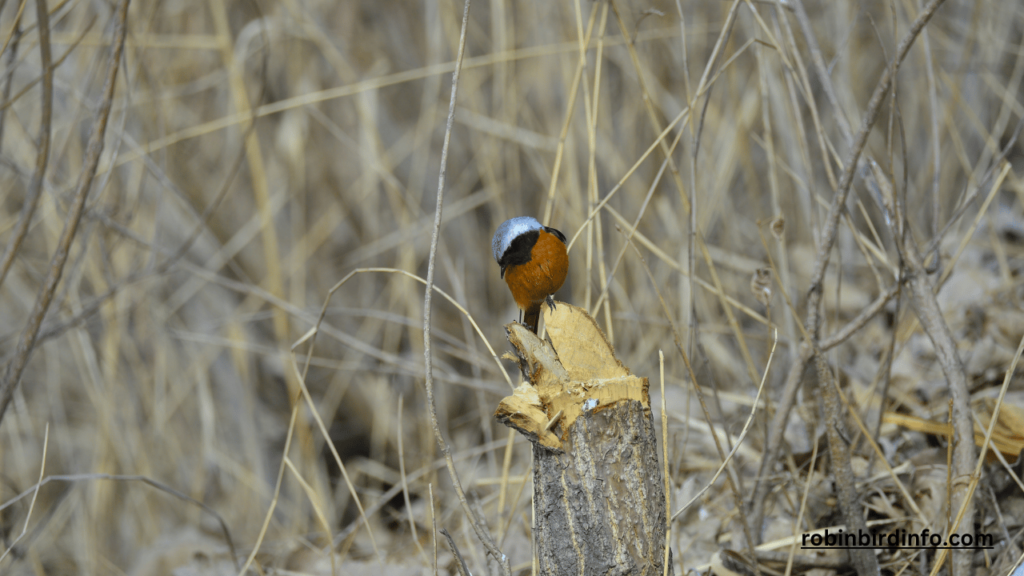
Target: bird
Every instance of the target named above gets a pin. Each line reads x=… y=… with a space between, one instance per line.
x=534 y=263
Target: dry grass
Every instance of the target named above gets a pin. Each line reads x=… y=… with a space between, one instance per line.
x=178 y=356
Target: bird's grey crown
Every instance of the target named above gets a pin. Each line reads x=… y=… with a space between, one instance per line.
x=509 y=230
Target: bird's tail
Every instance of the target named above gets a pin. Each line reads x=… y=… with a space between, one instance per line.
x=532 y=317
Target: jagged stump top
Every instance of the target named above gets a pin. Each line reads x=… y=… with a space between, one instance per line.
x=574 y=372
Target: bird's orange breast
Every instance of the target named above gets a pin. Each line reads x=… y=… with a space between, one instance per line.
x=543 y=275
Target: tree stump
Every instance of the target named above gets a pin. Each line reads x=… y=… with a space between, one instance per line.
x=598 y=490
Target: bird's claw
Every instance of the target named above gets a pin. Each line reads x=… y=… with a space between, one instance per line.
x=551 y=301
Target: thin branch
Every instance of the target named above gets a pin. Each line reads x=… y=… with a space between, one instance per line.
x=478 y=524
x=54 y=64
x=926 y=306
x=827 y=240
x=863 y=559
x=15 y=40
x=461 y=564
x=858 y=322
x=95 y=148
x=28 y=209
x=870 y=115
x=56 y=328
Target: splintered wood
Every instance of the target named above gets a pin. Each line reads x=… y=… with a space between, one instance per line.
x=598 y=494
x=577 y=371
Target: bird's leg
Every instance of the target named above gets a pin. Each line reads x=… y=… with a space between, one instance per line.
x=520 y=315
x=551 y=301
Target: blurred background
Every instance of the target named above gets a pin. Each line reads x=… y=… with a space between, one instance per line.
x=260 y=151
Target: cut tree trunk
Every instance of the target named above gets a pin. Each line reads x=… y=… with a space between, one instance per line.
x=598 y=489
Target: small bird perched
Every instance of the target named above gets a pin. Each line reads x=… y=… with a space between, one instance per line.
x=534 y=263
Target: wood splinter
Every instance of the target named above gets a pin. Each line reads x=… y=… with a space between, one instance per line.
x=598 y=488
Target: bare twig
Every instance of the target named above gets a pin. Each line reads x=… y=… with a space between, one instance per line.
x=12 y=374
x=870 y=115
x=56 y=328
x=12 y=56
x=862 y=318
x=54 y=64
x=478 y=524
x=926 y=306
x=826 y=242
x=28 y=209
x=863 y=559
x=461 y=564
x=933 y=116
